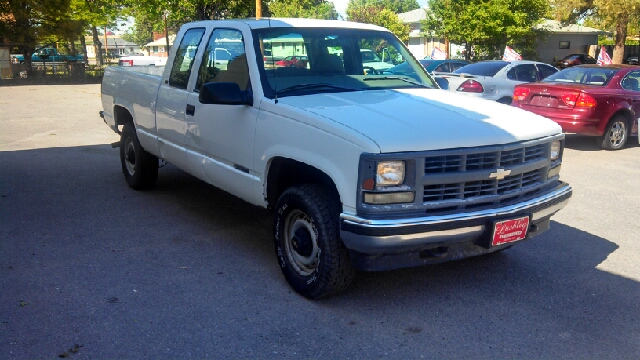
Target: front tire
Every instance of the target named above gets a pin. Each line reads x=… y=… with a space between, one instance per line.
x=140 y=168
x=616 y=134
x=311 y=255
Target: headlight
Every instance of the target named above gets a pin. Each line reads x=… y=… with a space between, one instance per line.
x=555 y=150
x=390 y=173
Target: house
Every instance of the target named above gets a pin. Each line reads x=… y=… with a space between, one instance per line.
x=158 y=47
x=115 y=46
x=421 y=44
x=565 y=40
x=560 y=41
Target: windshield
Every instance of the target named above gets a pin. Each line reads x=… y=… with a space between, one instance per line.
x=583 y=75
x=483 y=68
x=336 y=60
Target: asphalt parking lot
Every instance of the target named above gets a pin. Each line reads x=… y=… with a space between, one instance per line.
x=92 y=269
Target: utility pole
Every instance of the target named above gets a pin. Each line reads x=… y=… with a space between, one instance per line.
x=258 y=9
x=166 y=32
x=105 y=41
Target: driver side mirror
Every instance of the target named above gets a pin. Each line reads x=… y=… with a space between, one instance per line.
x=224 y=93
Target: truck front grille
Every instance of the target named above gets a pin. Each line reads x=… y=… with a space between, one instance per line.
x=460 y=180
x=483 y=160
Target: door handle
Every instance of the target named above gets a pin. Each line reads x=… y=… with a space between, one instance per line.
x=191 y=110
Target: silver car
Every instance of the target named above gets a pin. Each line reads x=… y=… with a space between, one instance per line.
x=496 y=79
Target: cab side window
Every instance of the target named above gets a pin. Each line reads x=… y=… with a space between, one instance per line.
x=185 y=55
x=224 y=60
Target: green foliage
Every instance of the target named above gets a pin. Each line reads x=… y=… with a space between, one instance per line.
x=486 y=27
x=312 y=9
x=377 y=15
x=396 y=6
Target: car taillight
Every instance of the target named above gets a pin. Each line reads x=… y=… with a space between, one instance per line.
x=586 y=101
x=569 y=99
x=471 y=86
x=520 y=93
x=125 y=62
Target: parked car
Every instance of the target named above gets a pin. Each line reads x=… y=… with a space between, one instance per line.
x=632 y=60
x=49 y=55
x=444 y=66
x=496 y=79
x=601 y=101
x=575 y=59
x=361 y=171
x=291 y=61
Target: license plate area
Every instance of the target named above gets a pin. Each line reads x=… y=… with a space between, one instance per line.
x=508 y=231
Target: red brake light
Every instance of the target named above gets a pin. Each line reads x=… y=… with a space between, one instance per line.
x=585 y=100
x=569 y=98
x=520 y=93
x=471 y=86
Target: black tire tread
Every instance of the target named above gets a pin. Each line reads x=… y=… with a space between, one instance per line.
x=328 y=207
x=604 y=141
x=147 y=173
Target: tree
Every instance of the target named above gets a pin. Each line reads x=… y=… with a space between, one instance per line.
x=613 y=14
x=151 y=14
x=486 y=27
x=313 y=9
x=378 y=15
x=396 y=6
x=26 y=22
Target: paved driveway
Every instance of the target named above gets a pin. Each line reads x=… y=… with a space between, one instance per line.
x=188 y=271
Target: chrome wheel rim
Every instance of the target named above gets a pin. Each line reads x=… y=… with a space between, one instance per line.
x=616 y=134
x=130 y=156
x=301 y=242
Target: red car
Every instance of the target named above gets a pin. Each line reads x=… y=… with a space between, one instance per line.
x=601 y=101
x=291 y=61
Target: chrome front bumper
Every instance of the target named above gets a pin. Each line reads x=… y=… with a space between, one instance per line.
x=403 y=235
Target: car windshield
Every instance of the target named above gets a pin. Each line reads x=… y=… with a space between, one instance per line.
x=489 y=68
x=337 y=60
x=583 y=75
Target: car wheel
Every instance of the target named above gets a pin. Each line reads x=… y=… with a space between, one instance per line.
x=311 y=255
x=140 y=168
x=616 y=134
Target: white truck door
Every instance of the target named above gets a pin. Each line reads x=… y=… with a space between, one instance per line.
x=222 y=136
x=172 y=99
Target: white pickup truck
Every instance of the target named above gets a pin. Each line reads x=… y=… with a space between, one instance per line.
x=363 y=171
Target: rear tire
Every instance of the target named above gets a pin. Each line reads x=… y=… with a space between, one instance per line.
x=616 y=134
x=311 y=255
x=140 y=168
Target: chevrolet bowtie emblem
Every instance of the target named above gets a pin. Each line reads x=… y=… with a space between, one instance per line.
x=500 y=174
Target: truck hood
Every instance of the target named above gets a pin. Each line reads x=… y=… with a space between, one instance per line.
x=424 y=119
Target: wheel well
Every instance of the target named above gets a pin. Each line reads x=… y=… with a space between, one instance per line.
x=505 y=100
x=626 y=114
x=284 y=173
x=122 y=115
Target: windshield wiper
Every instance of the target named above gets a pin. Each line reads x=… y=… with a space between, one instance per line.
x=314 y=86
x=413 y=82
